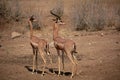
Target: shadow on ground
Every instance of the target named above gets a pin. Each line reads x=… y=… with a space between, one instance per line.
x=51 y=70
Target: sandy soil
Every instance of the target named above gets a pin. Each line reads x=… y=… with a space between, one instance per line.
x=98 y=52
x=99 y=57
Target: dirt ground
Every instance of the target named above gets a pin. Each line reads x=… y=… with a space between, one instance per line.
x=98 y=53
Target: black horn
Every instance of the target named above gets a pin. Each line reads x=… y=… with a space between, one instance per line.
x=58 y=18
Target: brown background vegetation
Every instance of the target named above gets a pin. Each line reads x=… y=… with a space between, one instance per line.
x=97 y=37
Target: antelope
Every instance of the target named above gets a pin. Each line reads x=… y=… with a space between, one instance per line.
x=38 y=45
x=65 y=45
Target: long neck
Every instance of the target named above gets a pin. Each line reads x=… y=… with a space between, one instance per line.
x=31 y=28
x=55 y=30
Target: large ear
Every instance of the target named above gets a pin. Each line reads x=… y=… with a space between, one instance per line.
x=60 y=22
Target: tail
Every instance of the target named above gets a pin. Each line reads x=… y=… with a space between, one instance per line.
x=48 y=53
x=47 y=49
x=75 y=54
x=74 y=48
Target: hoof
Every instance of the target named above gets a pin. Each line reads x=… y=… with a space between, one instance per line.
x=43 y=74
x=63 y=74
x=71 y=76
x=32 y=72
x=36 y=72
x=53 y=72
x=58 y=75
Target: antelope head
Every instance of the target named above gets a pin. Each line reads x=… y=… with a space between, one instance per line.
x=32 y=18
x=58 y=19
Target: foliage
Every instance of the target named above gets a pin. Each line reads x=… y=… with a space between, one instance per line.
x=93 y=15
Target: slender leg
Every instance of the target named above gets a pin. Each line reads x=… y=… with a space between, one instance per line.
x=75 y=60
x=44 y=65
x=74 y=65
x=63 y=61
x=58 y=62
x=48 y=53
x=33 y=61
x=36 y=54
x=44 y=60
x=50 y=58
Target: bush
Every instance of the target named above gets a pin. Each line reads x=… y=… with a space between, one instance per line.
x=92 y=15
x=35 y=24
x=10 y=11
x=5 y=10
x=58 y=8
x=118 y=20
x=38 y=24
x=13 y=10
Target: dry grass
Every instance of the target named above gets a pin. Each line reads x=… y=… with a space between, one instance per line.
x=95 y=15
x=86 y=15
x=59 y=8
